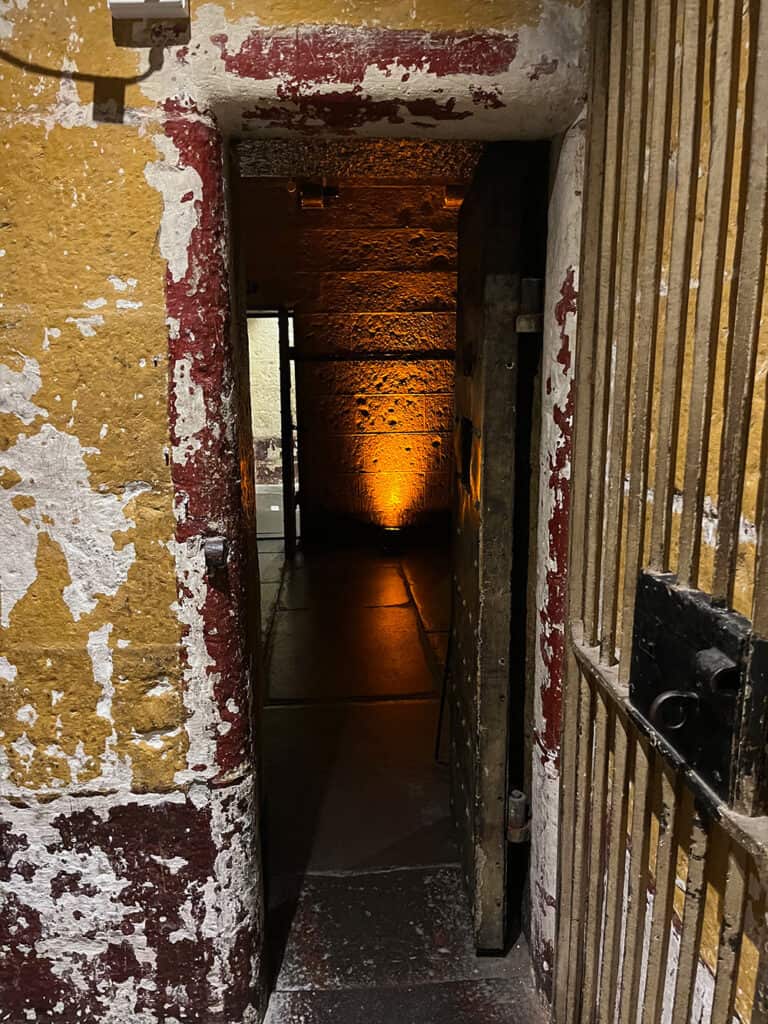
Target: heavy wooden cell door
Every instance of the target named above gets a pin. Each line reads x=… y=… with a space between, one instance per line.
x=487 y=659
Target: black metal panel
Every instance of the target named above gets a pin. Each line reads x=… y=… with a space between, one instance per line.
x=700 y=679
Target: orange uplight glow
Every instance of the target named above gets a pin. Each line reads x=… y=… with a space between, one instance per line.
x=394 y=497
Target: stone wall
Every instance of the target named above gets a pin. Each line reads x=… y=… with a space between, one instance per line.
x=264 y=380
x=371 y=279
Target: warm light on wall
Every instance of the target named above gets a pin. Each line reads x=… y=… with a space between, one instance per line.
x=394 y=497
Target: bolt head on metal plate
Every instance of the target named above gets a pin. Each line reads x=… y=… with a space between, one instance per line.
x=149 y=9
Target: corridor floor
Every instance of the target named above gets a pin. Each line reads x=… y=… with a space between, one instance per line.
x=368 y=917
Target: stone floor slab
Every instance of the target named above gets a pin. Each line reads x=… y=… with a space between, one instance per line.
x=355 y=786
x=391 y=928
x=480 y=1002
x=379 y=586
x=366 y=652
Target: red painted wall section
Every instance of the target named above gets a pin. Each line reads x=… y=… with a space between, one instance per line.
x=526 y=81
x=205 y=464
x=557 y=401
x=552 y=615
x=326 y=54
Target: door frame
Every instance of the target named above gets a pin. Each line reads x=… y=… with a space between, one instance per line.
x=543 y=719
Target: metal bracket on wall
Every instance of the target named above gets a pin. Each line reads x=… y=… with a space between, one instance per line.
x=518 y=823
x=216 y=551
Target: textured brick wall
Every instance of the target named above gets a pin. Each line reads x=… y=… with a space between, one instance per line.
x=372 y=274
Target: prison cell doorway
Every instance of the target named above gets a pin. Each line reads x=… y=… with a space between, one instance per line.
x=395 y=628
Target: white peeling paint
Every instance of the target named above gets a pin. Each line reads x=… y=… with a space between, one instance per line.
x=78 y=926
x=121 y=285
x=75 y=927
x=17 y=388
x=189 y=402
x=7 y=670
x=160 y=689
x=80 y=520
x=24 y=749
x=48 y=333
x=86 y=324
x=174 y=864
x=199 y=681
x=230 y=906
x=179 y=218
x=7 y=7
x=101 y=660
x=27 y=715
x=530 y=104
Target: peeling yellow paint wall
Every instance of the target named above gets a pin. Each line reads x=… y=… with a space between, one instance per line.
x=90 y=638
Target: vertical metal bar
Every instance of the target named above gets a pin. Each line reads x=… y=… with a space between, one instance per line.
x=638 y=887
x=578 y=899
x=693 y=913
x=664 y=889
x=680 y=266
x=709 y=296
x=759 y=1013
x=286 y=437
x=746 y=325
x=732 y=920
x=569 y=762
x=589 y=288
x=646 y=309
x=616 y=856
x=597 y=830
x=614 y=510
x=601 y=358
x=760 y=597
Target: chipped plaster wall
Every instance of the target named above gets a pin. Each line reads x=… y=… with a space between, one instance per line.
x=558 y=362
x=130 y=869
x=128 y=821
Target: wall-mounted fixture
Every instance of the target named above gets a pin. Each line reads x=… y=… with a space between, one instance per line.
x=159 y=10
x=453 y=196
x=314 y=195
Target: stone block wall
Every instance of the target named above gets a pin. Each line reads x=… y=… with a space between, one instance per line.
x=371 y=279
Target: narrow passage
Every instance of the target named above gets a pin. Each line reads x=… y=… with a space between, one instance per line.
x=368 y=917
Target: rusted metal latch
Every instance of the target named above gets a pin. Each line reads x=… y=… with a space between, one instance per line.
x=518 y=824
x=530 y=319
